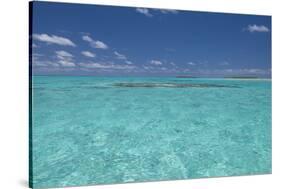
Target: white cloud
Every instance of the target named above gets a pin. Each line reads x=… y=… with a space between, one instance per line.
x=144 y=11
x=167 y=11
x=43 y=63
x=225 y=63
x=172 y=63
x=147 y=12
x=191 y=63
x=53 y=39
x=87 y=38
x=256 y=28
x=66 y=63
x=100 y=45
x=156 y=62
x=63 y=54
x=88 y=54
x=37 y=61
x=37 y=54
x=97 y=65
x=65 y=59
x=255 y=70
x=160 y=69
x=235 y=72
x=128 y=62
x=95 y=44
x=229 y=70
x=147 y=67
x=93 y=65
x=120 y=56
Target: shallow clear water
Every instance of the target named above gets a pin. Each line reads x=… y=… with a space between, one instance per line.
x=90 y=130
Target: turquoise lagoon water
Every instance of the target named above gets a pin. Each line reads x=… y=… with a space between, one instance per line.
x=95 y=130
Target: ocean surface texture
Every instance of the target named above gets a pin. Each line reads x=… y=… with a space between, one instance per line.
x=98 y=130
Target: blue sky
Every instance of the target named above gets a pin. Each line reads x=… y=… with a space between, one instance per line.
x=77 y=39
